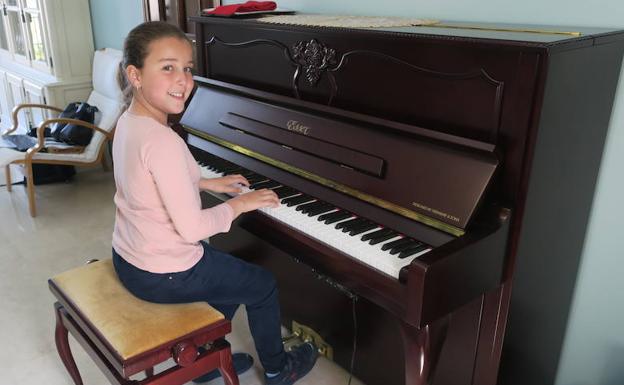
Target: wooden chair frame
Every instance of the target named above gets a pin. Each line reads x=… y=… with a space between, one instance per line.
x=28 y=160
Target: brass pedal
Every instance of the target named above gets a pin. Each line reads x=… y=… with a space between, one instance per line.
x=307 y=334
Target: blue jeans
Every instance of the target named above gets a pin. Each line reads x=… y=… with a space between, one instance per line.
x=224 y=282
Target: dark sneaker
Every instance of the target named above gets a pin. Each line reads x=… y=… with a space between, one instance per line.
x=241 y=361
x=299 y=361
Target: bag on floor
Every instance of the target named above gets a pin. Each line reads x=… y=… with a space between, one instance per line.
x=51 y=173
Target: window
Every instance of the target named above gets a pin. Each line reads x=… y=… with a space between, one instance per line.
x=22 y=35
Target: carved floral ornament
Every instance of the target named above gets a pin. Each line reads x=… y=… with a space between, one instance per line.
x=314 y=57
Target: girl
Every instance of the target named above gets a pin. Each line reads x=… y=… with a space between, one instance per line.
x=159 y=222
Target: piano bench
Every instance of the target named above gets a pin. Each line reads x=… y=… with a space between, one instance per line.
x=125 y=335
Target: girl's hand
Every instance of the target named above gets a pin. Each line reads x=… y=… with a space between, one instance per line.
x=253 y=200
x=225 y=184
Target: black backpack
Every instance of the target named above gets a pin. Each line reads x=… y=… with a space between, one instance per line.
x=72 y=133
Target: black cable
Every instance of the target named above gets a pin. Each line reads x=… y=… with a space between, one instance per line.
x=353 y=300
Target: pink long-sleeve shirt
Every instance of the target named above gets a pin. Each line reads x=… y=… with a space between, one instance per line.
x=159 y=220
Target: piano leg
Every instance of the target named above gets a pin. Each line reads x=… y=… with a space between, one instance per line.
x=422 y=350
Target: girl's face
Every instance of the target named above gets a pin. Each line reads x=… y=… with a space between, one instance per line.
x=165 y=81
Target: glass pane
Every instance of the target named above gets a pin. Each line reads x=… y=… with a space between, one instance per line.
x=4 y=44
x=171 y=11
x=36 y=36
x=36 y=114
x=12 y=2
x=16 y=29
x=31 y=4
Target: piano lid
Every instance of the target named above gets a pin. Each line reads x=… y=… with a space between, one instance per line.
x=432 y=177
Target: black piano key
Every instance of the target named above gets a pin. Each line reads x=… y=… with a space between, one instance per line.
x=304 y=208
x=412 y=250
x=335 y=217
x=231 y=170
x=361 y=229
x=211 y=164
x=361 y=222
x=320 y=210
x=267 y=184
x=221 y=167
x=245 y=173
x=376 y=240
x=389 y=245
x=350 y=221
x=358 y=224
x=374 y=234
x=285 y=191
x=350 y=224
x=404 y=246
x=235 y=171
x=253 y=185
x=296 y=200
x=256 y=179
x=221 y=164
x=329 y=215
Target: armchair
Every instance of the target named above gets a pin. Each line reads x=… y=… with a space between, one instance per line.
x=106 y=96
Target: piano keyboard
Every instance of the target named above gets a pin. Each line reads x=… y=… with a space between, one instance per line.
x=375 y=245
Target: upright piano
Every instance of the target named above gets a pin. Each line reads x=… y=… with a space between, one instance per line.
x=423 y=171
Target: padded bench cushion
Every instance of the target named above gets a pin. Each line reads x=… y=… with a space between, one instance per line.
x=130 y=325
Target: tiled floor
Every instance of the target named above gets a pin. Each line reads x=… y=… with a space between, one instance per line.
x=74 y=224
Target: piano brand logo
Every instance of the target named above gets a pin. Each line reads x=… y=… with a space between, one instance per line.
x=436 y=212
x=296 y=126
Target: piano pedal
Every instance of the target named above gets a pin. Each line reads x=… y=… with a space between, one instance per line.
x=302 y=334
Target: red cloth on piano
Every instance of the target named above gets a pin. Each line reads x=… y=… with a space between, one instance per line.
x=250 y=6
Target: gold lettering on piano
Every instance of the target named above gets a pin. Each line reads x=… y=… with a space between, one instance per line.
x=436 y=212
x=296 y=126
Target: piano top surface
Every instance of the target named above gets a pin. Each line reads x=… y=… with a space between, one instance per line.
x=525 y=34
x=498 y=31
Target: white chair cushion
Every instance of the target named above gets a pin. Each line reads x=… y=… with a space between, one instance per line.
x=8 y=156
x=105 y=66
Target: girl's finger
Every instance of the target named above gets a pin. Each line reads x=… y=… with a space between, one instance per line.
x=241 y=179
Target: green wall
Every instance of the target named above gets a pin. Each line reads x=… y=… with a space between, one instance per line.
x=594 y=346
x=111 y=21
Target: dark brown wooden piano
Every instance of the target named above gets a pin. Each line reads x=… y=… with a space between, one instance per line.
x=423 y=171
